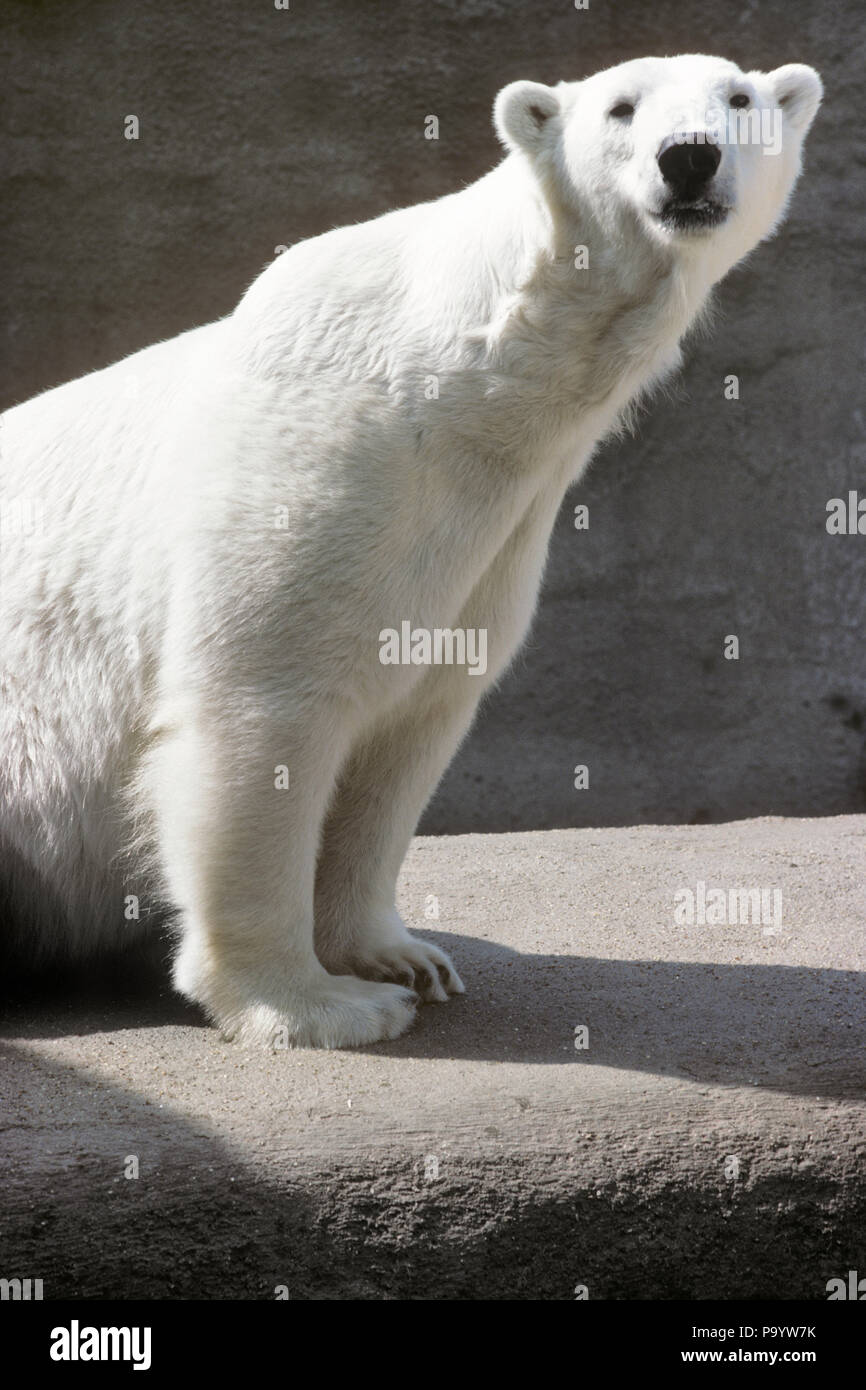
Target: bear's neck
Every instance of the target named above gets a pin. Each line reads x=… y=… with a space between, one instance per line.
x=568 y=321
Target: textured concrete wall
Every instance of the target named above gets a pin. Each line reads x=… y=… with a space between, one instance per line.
x=260 y=126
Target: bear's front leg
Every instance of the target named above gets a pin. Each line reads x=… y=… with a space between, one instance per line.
x=391 y=774
x=380 y=795
x=239 y=796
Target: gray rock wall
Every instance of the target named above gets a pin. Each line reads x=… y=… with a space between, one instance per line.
x=260 y=126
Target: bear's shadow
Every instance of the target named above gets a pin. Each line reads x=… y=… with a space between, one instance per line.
x=795 y=1029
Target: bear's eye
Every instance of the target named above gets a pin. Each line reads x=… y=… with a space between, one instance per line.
x=739 y=99
x=622 y=110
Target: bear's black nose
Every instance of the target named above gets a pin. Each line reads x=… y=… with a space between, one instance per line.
x=687 y=163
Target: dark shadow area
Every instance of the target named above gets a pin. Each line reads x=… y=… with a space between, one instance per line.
x=118 y=990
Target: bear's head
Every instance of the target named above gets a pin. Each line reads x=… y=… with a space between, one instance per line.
x=690 y=151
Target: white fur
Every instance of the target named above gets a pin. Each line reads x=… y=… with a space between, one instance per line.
x=166 y=647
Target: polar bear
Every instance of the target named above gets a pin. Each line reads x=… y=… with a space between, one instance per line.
x=211 y=548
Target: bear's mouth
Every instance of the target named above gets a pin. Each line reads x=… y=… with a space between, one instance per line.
x=701 y=214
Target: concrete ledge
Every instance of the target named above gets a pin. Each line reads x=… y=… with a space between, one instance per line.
x=708 y=1143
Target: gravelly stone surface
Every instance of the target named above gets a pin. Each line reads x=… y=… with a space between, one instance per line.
x=483 y=1155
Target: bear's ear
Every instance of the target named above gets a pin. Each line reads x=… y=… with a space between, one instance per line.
x=798 y=91
x=524 y=114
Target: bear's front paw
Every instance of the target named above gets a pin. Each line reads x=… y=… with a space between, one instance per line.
x=395 y=954
x=316 y=1010
x=348 y=1013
